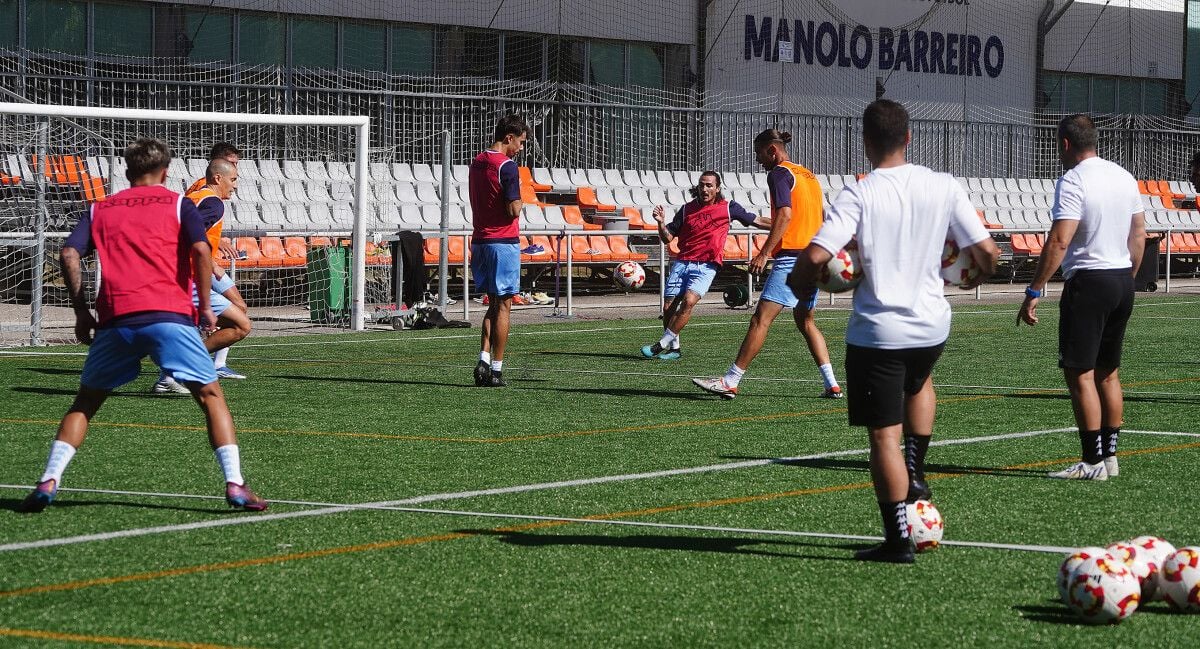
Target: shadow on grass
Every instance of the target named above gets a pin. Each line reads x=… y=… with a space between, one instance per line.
x=56 y=392
x=361 y=380
x=621 y=357
x=1049 y=614
x=668 y=542
x=1129 y=398
x=656 y=393
x=63 y=501
x=53 y=371
x=863 y=466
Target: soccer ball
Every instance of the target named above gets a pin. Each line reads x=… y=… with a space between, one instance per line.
x=1134 y=558
x=1102 y=591
x=629 y=275
x=1155 y=552
x=842 y=272
x=1180 y=580
x=1067 y=570
x=925 y=526
x=957 y=269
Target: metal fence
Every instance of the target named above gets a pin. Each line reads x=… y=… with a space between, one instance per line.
x=574 y=126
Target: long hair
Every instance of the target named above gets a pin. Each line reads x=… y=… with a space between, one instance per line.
x=695 y=191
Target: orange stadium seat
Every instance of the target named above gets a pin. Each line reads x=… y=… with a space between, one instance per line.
x=735 y=249
x=619 y=246
x=550 y=245
x=1142 y=188
x=526 y=175
x=254 y=254
x=586 y=197
x=432 y=249
x=319 y=242
x=377 y=255
x=458 y=251
x=758 y=241
x=571 y=215
x=580 y=254
x=274 y=254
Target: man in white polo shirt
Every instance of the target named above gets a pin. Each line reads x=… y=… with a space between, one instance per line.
x=1098 y=236
x=901 y=214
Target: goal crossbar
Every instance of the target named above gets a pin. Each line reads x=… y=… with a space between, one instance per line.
x=360 y=123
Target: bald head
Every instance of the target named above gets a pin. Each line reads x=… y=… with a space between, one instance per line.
x=221 y=177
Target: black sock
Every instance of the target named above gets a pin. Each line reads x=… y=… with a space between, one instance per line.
x=1093 y=446
x=915 y=448
x=1110 y=435
x=895 y=521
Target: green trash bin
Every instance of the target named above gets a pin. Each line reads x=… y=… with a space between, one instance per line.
x=327 y=270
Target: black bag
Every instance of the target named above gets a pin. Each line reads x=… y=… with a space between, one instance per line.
x=410 y=248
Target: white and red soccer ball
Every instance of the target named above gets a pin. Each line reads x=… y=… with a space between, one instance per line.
x=1154 y=551
x=925 y=526
x=958 y=269
x=1136 y=559
x=1180 y=580
x=1102 y=590
x=1066 y=571
x=629 y=275
x=842 y=272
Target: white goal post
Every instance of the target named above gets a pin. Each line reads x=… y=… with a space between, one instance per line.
x=360 y=124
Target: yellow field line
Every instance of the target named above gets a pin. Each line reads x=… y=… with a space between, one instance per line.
x=419 y=540
x=109 y=640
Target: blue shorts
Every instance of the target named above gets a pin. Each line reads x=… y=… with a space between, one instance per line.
x=496 y=268
x=115 y=356
x=777 y=290
x=694 y=276
x=219 y=302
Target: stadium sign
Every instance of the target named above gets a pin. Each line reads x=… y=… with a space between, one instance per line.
x=808 y=42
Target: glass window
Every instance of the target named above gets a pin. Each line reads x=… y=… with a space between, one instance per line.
x=677 y=71
x=1129 y=96
x=57 y=25
x=1156 y=98
x=208 y=35
x=567 y=61
x=523 y=57
x=1075 y=94
x=314 y=43
x=364 y=47
x=607 y=64
x=1052 y=92
x=8 y=23
x=481 y=54
x=1104 y=95
x=260 y=39
x=124 y=29
x=412 y=51
x=646 y=66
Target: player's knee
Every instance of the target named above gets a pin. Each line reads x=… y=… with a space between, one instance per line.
x=206 y=394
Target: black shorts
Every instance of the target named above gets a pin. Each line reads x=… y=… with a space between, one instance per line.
x=879 y=380
x=1094 y=311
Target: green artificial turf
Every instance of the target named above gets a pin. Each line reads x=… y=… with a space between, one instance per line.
x=378 y=418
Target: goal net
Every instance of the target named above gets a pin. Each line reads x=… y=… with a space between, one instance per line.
x=301 y=215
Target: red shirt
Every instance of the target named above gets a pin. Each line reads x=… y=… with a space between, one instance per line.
x=143 y=237
x=701 y=229
x=494 y=183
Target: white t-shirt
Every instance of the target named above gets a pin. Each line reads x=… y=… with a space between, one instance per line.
x=1103 y=197
x=902 y=217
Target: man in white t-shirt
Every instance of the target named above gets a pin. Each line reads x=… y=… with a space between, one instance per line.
x=901 y=215
x=1098 y=236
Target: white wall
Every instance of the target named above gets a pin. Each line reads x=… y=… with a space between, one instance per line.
x=1143 y=41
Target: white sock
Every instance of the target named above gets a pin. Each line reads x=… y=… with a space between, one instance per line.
x=220 y=358
x=675 y=343
x=734 y=376
x=231 y=463
x=60 y=456
x=668 y=339
x=497 y=366
x=485 y=357
x=827 y=375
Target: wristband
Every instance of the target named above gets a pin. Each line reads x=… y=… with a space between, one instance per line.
x=1032 y=292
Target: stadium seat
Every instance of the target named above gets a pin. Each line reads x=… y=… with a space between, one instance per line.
x=381 y=192
x=460 y=173
x=343 y=214
x=380 y=172
x=320 y=216
x=422 y=173
x=639 y=197
x=580 y=252
x=269 y=170
x=457 y=251
x=556 y=218
x=318 y=191
x=427 y=193
x=561 y=179
x=682 y=180
x=293 y=190
x=410 y=217
x=649 y=179
x=619 y=246
x=612 y=178
x=735 y=249
x=271 y=190
x=636 y=222
x=377 y=255
x=459 y=219
x=550 y=244
x=631 y=178
x=526 y=175
x=756 y=243
x=402 y=172
x=595 y=178
x=341 y=171
x=295 y=248
x=275 y=255
x=541 y=176
x=315 y=170
x=245 y=215
x=253 y=253
x=665 y=180
x=586 y=197
x=656 y=196
x=533 y=218
x=432 y=248
x=431 y=215
x=273 y=217
x=388 y=215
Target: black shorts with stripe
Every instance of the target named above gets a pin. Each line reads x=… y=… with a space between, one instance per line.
x=1093 y=313
x=878 y=381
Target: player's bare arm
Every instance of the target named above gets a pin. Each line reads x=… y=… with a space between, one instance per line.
x=514 y=209
x=660 y=218
x=1137 y=240
x=85 y=322
x=779 y=225
x=1053 y=252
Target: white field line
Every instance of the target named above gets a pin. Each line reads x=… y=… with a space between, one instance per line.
x=1160 y=432
x=325 y=509
x=519 y=332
